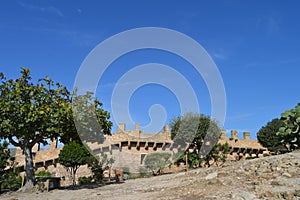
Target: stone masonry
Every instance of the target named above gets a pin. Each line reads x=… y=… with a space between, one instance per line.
x=129 y=148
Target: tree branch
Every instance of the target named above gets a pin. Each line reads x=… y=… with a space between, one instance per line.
x=13 y=142
x=36 y=140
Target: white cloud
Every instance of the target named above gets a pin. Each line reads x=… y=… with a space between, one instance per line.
x=46 y=9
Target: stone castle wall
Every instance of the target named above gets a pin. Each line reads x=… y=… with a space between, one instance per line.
x=129 y=148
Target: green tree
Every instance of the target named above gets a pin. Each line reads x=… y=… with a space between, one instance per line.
x=32 y=112
x=72 y=156
x=290 y=129
x=79 y=125
x=268 y=137
x=201 y=133
x=29 y=113
x=157 y=161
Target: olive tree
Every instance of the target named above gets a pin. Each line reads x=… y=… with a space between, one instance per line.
x=201 y=133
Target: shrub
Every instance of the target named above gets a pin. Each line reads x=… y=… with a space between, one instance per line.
x=143 y=172
x=85 y=180
x=12 y=182
x=157 y=161
x=42 y=174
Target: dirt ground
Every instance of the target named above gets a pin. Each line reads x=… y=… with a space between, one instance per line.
x=274 y=177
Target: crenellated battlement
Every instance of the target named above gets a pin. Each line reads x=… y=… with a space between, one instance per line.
x=129 y=147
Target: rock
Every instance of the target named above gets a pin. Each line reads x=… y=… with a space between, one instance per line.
x=211 y=176
x=243 y=195
x=287 y=175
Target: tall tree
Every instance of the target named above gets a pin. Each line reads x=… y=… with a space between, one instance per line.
x=32 y=112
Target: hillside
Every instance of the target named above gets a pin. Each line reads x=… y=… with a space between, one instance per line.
x=274 y=177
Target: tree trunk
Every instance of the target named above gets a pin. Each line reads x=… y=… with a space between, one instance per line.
x=30 y=180
x=73 y=177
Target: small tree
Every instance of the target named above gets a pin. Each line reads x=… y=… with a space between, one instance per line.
x=267 y=136
x=157 y=161
x=290 y=129
x=72 y=156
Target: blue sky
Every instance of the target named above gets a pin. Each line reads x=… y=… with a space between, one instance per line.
x=255 y=45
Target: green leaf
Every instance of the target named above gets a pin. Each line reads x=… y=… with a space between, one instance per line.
x=282 y=130
x=294 y=140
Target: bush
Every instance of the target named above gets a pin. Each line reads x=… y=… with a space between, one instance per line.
x=12 y=182
x=143 y=172
x=85 y=180
x=157 y=161
x=42 y=174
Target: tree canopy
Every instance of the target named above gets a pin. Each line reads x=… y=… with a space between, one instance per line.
x=201 y=133
x=290 y=129
x=72 y=156
x=268 y=137
x=194 y=129
x=31 y=112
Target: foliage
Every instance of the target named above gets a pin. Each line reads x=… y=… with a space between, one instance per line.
x=12 y=182
x=193 y=129
x=143 y=172
x=79 y=125
x=200 y=132
x=268 y=137
x=4 y=158
x=84 y=180
x=72 y=156
x=32 y=112
x=290 y=129
x=157 y=161
x=217 y=155
x=43 y=173
x=126 y=170
x=98 y=164
x=193 y=159
x=9 y=179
